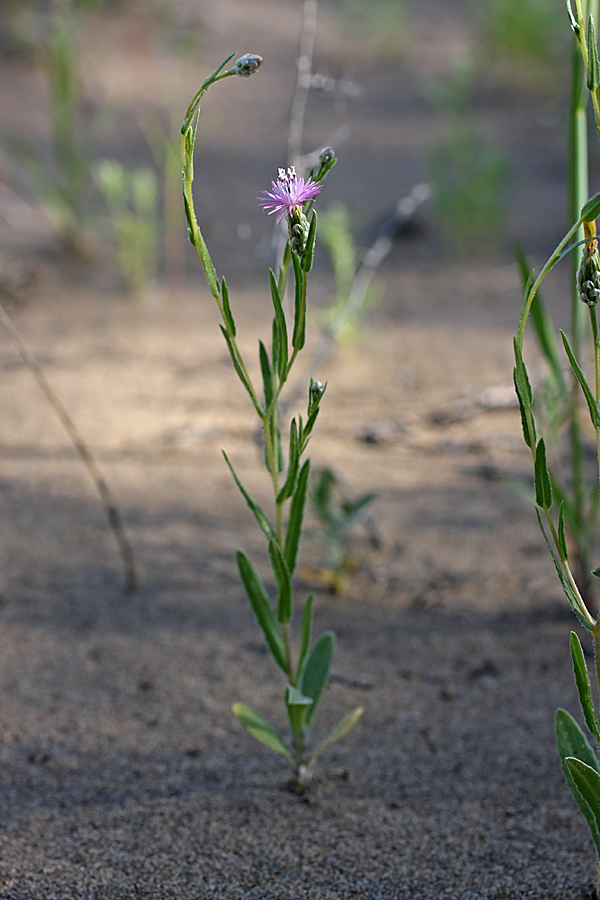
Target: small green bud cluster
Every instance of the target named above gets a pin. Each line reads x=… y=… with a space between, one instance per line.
x=588 y=276
x=298 y=228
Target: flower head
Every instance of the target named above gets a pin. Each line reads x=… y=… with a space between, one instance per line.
x=288 y=194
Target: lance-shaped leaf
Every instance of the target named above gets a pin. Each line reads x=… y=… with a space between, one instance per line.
x=340 y=731
x=281 y=326
x=593 y=68
x=525 y=397
x=239 y=370
x=293 y=463
x=591 y=402
x=309 y=252
x=283 y=580
x=227 y=314
x=562 y=537
x=570 y=593
x=591 y=210
x=299 y=332
x=267 y=375
x=543 y=486
x=573 y=744
x=307 y=620
x=294 y=528
x=316 y=671
x=584 y=688
x=261 y=606
x=265 y=525
x=260 y=729
x=587 y=783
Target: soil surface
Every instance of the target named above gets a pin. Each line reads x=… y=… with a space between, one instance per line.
x=123 y=772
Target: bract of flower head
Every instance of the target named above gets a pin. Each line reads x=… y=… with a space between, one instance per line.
x=288 y=192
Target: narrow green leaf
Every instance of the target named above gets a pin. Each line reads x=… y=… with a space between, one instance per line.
x=572 y=743
x=261 y=606
x=294 y=527
x=522 y=384
x=571 y=596
x=592 y=405
x=309 y=252
x=283 y=580
x=543 y=486
x=587 y=782
x=316 y=671
x=596 y=572
x=593 y=69
x=265 y=525
x=260 y=729
x=307 y=620
x=584 y=688
x=239 y=371
x=542 y=324
x=591 y=210
x=293 y=463
x=340 y=731
x=227 y=309
x=562 y=538
x=267 y=375
x=299 y=332
x=281 y=326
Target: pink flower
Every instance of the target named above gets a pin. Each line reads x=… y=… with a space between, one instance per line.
x=288 y=192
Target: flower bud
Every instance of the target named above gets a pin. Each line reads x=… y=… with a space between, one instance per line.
x=588 y=276
x=248 y=64
x=326 y=156
x=316 y=389
x=298 y=229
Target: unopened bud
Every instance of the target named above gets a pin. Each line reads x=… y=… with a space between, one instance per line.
x=588 y=276
x=298 y=228
x=248 y=64
x=326 y=156
x=316 y=390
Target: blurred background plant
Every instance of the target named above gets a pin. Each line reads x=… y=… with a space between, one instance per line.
x=468 y=175
x=383 y=24
x=336 y=514
x=131 y=196
x=61 y=179
x=524 y=40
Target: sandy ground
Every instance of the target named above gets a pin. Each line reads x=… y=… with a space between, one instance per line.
x=124 y=773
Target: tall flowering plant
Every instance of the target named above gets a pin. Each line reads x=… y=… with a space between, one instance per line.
x=305 y=664
x=558 y=508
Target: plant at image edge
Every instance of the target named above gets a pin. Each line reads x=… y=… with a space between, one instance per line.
x=579 y=761
x=306 y=672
